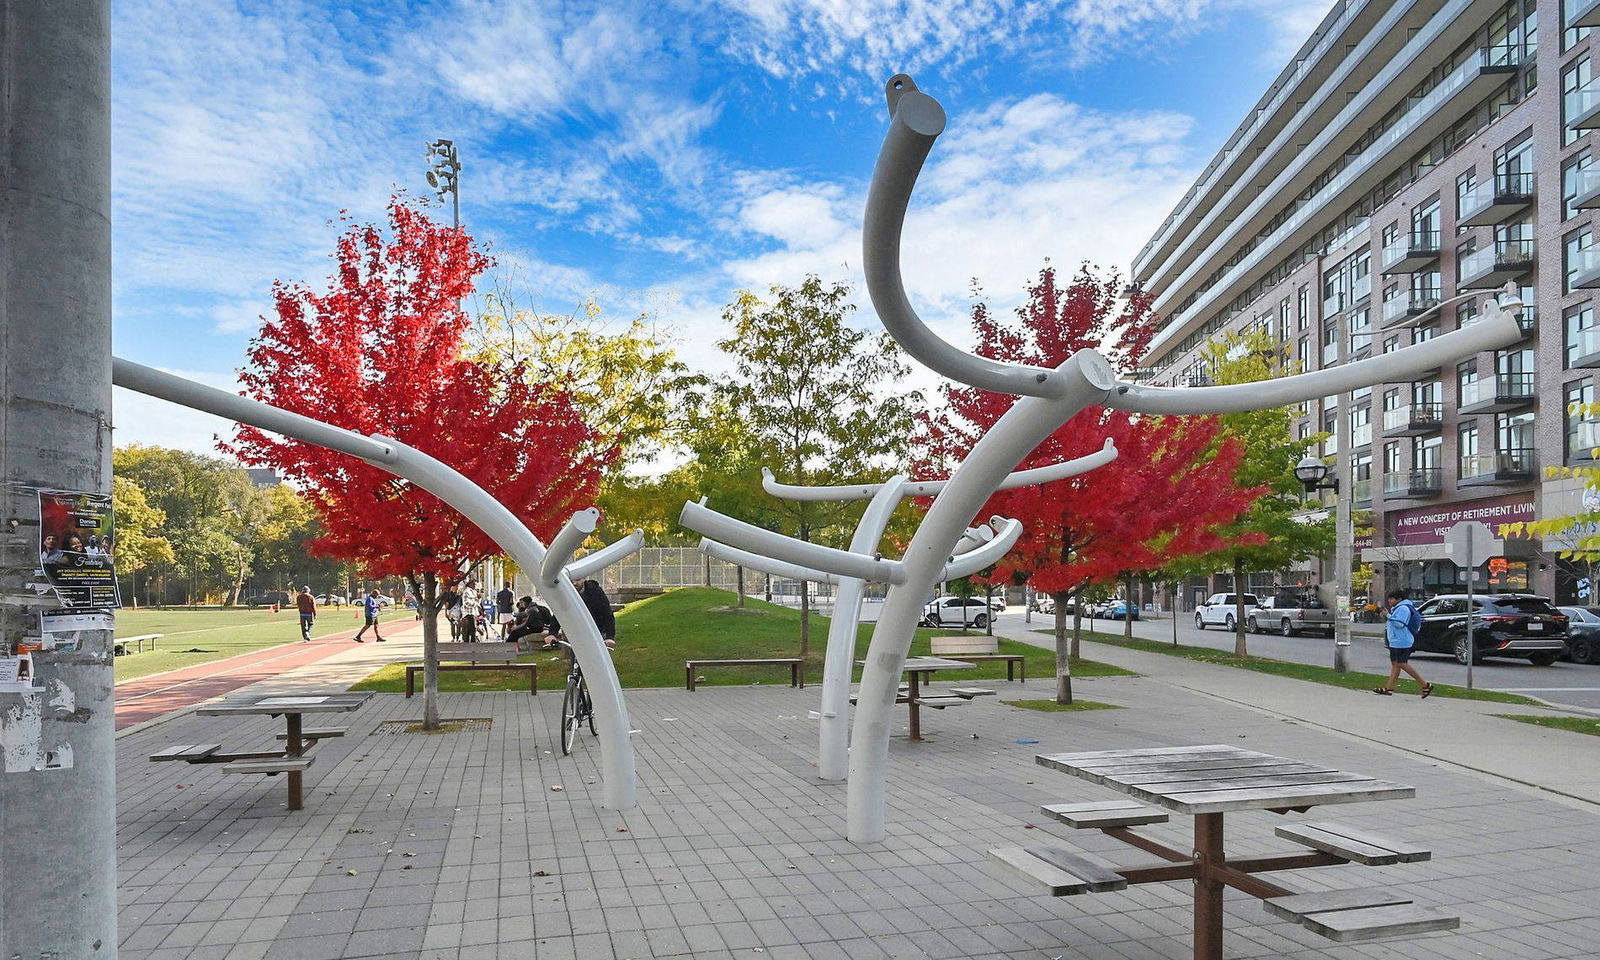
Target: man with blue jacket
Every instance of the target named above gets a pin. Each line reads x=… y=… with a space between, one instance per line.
x=371 y=607
x=1400 y=637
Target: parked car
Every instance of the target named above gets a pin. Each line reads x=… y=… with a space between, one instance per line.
x=997 y=603
x=1120 y=610
x=331 y=600
x=1504 y=625
x=1289 y=614
x=267 y=599
x=1583 y=633
x=954 y=611
x=1044 y=603
x=1221 y=609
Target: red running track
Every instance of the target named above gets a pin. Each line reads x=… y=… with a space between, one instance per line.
x=149 y=697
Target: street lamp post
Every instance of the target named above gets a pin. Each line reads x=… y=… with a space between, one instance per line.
x=444 y=175
x=1312 y=473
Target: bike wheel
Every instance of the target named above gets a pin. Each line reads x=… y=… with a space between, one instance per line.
x=570 y=705
x=588 y=707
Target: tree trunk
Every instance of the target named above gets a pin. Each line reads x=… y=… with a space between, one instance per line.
x=738 y=572
x=988 y=605
x=238 y=582
x=805 y=602
x=1129 y=608
x=1239 y=646
x=428 y=603
x=1063 y=653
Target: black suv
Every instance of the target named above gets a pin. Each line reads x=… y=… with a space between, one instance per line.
x=280 y=597
x=1504 y=625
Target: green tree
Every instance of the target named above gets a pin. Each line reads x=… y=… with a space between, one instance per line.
x=1274 y=533
x=139 y=543
x=1573 y=537
x=815 y=401
x=202 y=498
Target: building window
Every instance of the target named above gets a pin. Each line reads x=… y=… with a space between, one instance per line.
x=1513 y=432
x=1466 y=380
x=1424 y=334
x=1304 y=315
x=1466 y=186
x=1467 y=449
x=1391 y=457
x=1572 y=183
x=1575 y=78
x=1571 y=36
x=1579 y=338
x=1391 y=233
x=1579 y=425
x=1576 y=259
x=1425 y=452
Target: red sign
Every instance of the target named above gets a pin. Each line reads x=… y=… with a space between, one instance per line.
x=1429 y=524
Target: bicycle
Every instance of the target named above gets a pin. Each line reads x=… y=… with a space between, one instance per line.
x=576 y=705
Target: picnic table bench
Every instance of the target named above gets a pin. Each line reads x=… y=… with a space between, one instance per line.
x=1207 y=782
x=477 y=656
x=797 y=676
x=290 y=758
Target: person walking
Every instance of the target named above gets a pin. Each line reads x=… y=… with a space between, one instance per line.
x=307 y=605
x=599 y=607
x=1400 y=637
x=505 y=603
x=372 y=606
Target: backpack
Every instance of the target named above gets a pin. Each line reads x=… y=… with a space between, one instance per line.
x=1414 y=621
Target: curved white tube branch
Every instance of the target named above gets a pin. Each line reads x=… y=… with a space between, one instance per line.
x=604 y=557
x=1495 y=328
x=492 y=517
x=573 y=533
x=761 y=564
x=974 y=538
x=966 y=564
x=842 y=563
x=915 y=121
x=1031 y=477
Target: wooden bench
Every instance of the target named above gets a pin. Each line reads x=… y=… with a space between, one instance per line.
x=187 y=752
x=797 y=677
x=1345 y=916
x=1062 y=872
x=1104 y=813
x=478 y=656
x=1016 y=663
x=271 y=766
x=1353 y=843
x=120 y=645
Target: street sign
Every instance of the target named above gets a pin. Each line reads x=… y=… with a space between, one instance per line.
x=1471 y=543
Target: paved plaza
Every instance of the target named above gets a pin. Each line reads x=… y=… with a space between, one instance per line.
x=455 y=845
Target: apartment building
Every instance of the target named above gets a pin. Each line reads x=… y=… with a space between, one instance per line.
x=1412 y=158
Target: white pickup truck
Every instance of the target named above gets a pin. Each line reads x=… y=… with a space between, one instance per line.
x=1289 y=614
x=1222 y=609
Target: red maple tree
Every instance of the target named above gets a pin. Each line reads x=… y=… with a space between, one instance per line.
x=1166 y=495
x=380 y=352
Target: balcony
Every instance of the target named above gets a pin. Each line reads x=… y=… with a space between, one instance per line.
x=1413 y=484
x=1361 y=492
x=1411 y=303
x=1588 y=348
x=1494 y=265
x=1582 y=445
x=1583 y=13
x=1583 y=267
x=1504 y=391
x=1493 y=202
x=1585 y=108
x=1507 y=466
x=1413 y=420
x=1588 y=186
x=1420 y=249
x=1361 y=435
x=1197 y=380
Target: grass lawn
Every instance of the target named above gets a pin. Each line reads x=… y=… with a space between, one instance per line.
x=202 y=635
x=1588 y=725
x=1050 y=706
x=1351 y=680
x=655 y=636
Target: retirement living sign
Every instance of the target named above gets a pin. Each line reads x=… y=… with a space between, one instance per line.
x=1430 y=524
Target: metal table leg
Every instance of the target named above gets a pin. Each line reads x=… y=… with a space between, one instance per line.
x=1208 y=858
x=294 y=748
x=916 y=719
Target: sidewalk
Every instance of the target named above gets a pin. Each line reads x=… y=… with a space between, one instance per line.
x=1462 y=733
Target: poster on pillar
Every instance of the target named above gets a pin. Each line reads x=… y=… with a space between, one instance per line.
x=75 y=548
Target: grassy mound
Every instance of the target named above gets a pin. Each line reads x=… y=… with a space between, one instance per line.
x=656 y=635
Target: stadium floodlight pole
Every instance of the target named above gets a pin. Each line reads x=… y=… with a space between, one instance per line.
x=1049 y=398
x=619 y=785
x=444 y=175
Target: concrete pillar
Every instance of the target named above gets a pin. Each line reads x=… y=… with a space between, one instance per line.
x=57 y=801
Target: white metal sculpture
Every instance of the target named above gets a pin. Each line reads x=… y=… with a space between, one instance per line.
x=1049 y=398
x=557 y=570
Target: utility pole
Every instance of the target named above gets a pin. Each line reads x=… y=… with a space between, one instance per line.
x=57 y=773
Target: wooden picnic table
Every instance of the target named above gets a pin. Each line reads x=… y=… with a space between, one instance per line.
x=292 y=707
x=919 y=671
x=1208 y=782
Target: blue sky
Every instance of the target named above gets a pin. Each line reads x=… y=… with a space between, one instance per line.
x=655 y=156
